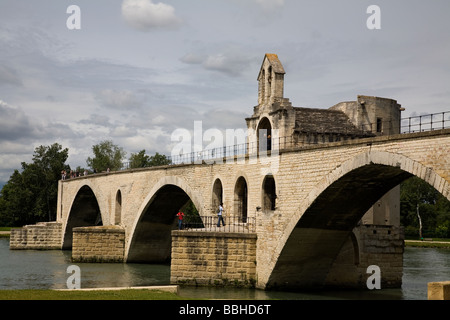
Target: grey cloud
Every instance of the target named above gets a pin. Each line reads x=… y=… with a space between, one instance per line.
x=97 y=120
x=15 y=124
x=119 y=99
x=9 y=76
x=231 y=63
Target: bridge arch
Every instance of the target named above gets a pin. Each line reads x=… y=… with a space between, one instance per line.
x=150 y=238
x=325 y=218
x=84 y=211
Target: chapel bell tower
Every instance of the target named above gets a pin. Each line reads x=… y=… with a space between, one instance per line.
x=271 y=80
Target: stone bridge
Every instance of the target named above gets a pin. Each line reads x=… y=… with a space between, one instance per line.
x=316 y=212
x=322 y=193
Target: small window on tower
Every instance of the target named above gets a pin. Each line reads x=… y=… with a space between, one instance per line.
x=379 y=125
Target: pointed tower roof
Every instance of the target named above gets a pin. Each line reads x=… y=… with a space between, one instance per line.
x=277 y=67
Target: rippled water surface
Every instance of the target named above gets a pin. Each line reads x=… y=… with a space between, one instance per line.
x=31 y=269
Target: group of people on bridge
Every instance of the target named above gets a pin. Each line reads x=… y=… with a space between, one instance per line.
x=180 y=215
x=76 y=174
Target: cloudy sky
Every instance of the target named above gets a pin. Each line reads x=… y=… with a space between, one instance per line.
x=139 y=69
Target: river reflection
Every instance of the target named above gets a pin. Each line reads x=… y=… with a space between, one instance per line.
x=30 y=269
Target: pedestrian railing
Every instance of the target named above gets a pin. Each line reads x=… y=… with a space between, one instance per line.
x=421 y=123
x=236 y=224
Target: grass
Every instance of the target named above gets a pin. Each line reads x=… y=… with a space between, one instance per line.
x=429 y=243
x=126 y=294
x=2 y=235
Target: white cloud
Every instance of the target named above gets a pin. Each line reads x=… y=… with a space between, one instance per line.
x=145 y=15
x=118 y=99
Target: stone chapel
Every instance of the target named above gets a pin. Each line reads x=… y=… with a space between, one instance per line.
x=276 y=123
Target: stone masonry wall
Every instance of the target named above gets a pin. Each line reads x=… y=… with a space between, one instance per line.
x=98 y=244
x=213 y=258
x=41 y=236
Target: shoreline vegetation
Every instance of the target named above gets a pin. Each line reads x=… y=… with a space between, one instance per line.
x=428 y=243
x=100 y=294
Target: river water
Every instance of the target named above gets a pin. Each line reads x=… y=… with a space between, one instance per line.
x=30 y=269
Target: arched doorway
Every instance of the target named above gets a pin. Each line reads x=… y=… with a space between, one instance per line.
x=84 y=212
x=241 y=199
x=264 y=133
x=217 y=195
x=118 y=208
x=269 y=193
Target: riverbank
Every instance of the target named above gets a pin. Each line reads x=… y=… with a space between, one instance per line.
x=100 y=294
x=427 y=244
x=408 y=243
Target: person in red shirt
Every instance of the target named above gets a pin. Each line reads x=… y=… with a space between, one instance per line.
x=180 y=216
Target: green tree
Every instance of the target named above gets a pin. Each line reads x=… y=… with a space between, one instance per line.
x=159 y=160
x=141 y=160
x=106 y=155
x=420 y=203
x=31 y=195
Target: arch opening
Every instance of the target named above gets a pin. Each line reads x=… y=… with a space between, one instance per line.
x=118 y=208
x=151 y=241
x=269 y=194
x=85 y=212
x=264 y=133
x=217 y=195
x=327 y=224
x=241 y=199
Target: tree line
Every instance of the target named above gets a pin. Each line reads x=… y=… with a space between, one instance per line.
x=30 y=195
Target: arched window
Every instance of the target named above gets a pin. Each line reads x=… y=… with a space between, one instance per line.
x=269 y=193
x=118 y=208
x=264 y=135
x=241 y=199
x=217 y=195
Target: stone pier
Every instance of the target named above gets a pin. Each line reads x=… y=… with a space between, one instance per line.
x=213 y=258
x=98 y=244
x=41 y=236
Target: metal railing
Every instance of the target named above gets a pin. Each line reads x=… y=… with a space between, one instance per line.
x=421 y=123
x=236 y=224
x=428 y=122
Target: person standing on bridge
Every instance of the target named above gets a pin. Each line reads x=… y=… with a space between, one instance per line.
x=180 y=216
x=220 y=215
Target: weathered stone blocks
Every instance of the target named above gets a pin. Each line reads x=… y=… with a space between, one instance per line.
x=213 y=258
x=41 y=236
x=98 y=244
